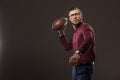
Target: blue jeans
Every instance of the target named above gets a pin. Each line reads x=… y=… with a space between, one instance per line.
x=83 y=72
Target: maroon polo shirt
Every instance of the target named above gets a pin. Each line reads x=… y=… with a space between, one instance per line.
x=83 y=40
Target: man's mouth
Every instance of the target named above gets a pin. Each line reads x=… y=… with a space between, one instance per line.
x=75 y=20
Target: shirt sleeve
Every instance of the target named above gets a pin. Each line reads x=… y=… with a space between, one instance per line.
x=67 y=44
x=87 y=41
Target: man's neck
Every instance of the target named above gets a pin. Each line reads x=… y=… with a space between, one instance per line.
x=76 y=26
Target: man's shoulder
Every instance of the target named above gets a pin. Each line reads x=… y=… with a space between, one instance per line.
x=87 y=26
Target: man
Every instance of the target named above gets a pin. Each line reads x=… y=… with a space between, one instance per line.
x=82 y=45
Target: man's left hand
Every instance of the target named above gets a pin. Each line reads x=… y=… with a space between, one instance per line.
x=74 y=59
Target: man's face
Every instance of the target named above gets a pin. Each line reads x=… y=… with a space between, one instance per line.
x=75 y=16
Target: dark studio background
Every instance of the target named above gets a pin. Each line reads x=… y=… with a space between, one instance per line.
x=30 y=50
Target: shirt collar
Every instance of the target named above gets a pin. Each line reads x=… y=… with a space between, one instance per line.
x=78 y=25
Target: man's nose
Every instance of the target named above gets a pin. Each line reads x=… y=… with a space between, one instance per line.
x=74 y=16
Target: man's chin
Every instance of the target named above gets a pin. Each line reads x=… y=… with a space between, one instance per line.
x=76 y=23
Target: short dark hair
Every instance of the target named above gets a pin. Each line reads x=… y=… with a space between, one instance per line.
x=72 y=8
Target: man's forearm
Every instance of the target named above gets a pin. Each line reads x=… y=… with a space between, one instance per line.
x=61 y=33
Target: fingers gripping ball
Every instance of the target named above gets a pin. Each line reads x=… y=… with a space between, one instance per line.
x=59 y=23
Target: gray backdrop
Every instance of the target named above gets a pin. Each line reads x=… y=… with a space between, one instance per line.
x=30 y=50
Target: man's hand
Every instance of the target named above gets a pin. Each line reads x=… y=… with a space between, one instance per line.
x=62 y=31
x=74 y=59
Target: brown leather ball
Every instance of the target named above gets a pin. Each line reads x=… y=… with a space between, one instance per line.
x=59 y=23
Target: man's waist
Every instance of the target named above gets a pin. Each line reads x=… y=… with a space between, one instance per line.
x=85 y=63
